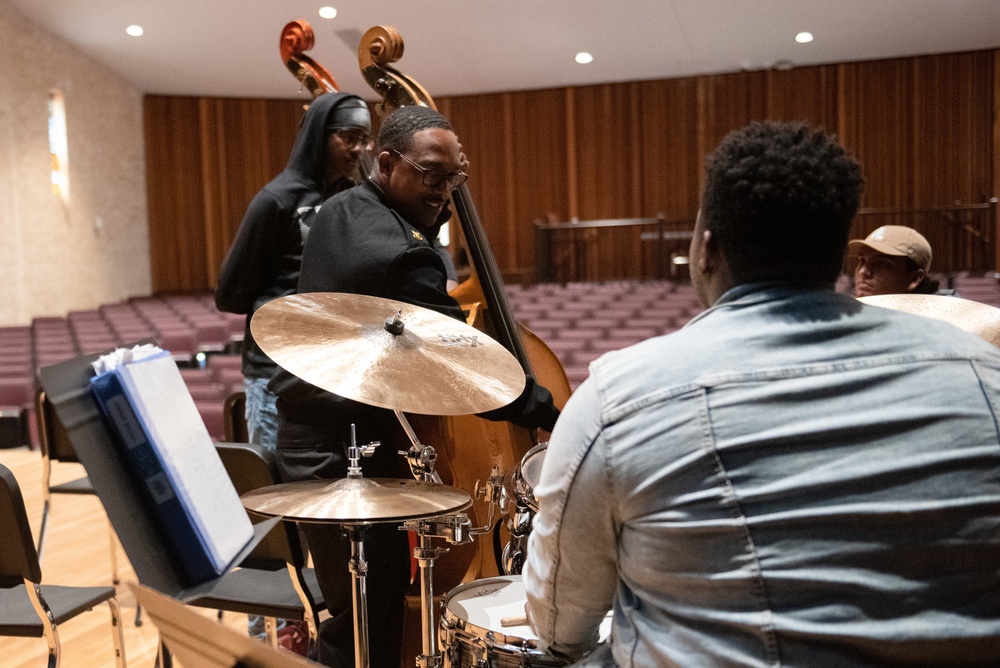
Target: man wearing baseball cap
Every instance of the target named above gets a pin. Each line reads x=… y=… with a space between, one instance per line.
x=893 y=259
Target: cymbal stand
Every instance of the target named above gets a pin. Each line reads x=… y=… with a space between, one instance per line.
x=457 y=530
x=357 y=565
x=420 y=457
x=359 y=595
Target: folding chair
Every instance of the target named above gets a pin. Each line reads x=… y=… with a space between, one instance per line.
x=56 y=447
x=234 y=418
x=273 y=581
x=27 y=608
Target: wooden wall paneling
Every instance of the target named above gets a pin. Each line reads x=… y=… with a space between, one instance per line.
x=728 y=102
x=572 y=163
x=538 y=174
x=669 y=153
x=245 y=143
x=878 y=127
x=216 y=184
x=480 y=124
x=951 y=122
x=926 y=129
x=606 y=136
x=804 y=94
x=604 y=127
x=174 y=190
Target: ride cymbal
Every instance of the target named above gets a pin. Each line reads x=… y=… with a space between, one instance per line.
x=343 y=343
x=356 y=500
x=973 y=317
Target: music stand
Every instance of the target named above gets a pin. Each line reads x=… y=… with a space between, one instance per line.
x=201 y=643
x=67 y=385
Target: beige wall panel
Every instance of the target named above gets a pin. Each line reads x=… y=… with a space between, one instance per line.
x=57 y=258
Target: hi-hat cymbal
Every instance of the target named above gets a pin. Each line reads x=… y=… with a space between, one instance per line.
x=356 y=500
x=979 y=319
x=340 y=342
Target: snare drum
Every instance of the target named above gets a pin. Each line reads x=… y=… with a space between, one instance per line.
x=471 y=634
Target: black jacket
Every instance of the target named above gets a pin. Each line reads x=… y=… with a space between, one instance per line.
x=360 y=245
x=263 y=262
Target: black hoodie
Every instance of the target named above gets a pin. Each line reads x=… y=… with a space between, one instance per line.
x=263 y=262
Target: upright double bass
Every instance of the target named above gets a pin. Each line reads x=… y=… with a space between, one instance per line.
x=468 y=447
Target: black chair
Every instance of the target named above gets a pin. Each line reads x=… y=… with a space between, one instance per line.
x=234 y=421
x=273 y=581
x=27 y=608
x=56 y=447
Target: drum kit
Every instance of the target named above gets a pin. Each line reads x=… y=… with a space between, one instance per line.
x=408 y=359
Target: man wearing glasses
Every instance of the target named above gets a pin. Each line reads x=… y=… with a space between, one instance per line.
x=377 y=239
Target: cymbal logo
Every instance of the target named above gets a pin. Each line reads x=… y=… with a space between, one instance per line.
x=459 y=340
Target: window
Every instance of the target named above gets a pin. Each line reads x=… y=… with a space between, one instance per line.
x=59 y=146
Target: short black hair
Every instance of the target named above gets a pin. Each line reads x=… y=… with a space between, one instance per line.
x=779 y=199
x=398 y=128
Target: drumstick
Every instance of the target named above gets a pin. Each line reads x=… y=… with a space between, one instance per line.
x=514 y=620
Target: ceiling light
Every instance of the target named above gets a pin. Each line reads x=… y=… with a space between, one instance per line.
x=134 y=30
x=327 y=12
x=583 y=58
x=804 y=37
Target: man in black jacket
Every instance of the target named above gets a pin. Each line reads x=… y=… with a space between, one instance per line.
x=263 y=262
x=376 y=239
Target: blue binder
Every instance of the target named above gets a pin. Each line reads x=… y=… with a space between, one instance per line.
x=166 y=484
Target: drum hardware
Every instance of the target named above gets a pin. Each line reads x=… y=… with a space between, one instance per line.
x=473 y=633
x=356 y=503
x=519 y=505
x=414 y=361
x=457 y=530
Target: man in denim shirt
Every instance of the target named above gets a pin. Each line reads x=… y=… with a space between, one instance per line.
x=793 y=479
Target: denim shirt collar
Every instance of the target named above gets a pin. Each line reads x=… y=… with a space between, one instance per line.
x=762 y=291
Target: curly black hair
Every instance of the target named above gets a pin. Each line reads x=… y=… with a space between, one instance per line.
x=779 y=199
x=398 y=128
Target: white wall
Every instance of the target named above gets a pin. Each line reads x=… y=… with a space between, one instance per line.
x=54 y=259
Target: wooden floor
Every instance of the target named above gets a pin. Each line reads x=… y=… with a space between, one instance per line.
x=77 y=552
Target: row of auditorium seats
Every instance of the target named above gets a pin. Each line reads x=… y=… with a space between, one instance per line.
x=579 y=322
x=582 y=321
x=190 y=327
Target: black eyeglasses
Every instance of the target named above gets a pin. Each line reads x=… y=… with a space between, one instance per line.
x=353 y=137
x=433 y=178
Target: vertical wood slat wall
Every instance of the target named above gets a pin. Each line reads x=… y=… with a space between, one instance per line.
x=925 y=128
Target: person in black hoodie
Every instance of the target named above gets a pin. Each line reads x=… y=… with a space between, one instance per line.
x=263 y=262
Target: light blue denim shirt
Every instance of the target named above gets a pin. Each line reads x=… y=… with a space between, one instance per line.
x=793 y=479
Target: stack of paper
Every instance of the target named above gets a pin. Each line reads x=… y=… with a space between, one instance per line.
x=175 y=464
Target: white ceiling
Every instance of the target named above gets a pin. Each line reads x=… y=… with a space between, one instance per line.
x=229 y=48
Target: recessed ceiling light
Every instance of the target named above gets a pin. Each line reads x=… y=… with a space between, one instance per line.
x=804 y=37
x=583 y=58
x=134 y=30
x=327 y=12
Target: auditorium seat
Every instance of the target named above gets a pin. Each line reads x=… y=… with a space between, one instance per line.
x=212 y=414
x=16 y=397
x=208 y=392
x=216 y=363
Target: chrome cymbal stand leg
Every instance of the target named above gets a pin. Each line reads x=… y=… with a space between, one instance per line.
x=425 y=555
x=359 y=569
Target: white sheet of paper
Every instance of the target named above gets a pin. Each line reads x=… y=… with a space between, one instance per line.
x=169 y=413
